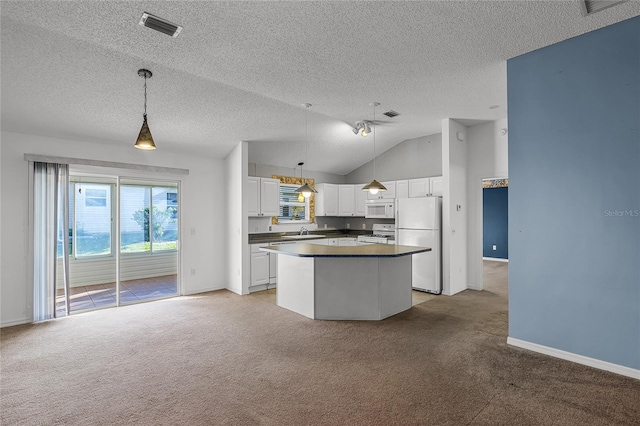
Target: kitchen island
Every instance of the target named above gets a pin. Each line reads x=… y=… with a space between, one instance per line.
x=366 y=282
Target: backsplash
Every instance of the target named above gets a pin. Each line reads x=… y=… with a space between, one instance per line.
x=259 y=225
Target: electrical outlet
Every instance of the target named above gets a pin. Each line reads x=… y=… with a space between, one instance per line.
x=494 y=247
x=364 y=226
x=193 y=271
x=348 y=225
x=325 y=226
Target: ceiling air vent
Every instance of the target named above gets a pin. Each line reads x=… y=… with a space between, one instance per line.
x=590 y=7
x=155 y=23
x=391 y=113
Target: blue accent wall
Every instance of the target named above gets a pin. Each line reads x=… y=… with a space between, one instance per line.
x=495 y=222
x=574 y=195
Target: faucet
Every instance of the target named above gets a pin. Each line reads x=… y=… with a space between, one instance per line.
x=304 y=231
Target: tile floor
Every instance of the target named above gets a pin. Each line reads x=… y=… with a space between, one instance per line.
x=104 y=295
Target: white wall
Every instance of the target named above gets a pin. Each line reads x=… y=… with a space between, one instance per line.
x=487 y=158
x=267 y=170
x=201 y=215
x=454 y=207
x=236 y=225
x=412 y=158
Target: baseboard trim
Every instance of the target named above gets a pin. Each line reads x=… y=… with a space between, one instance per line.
x=16 y=322
x=496 y=259
x=579 y=359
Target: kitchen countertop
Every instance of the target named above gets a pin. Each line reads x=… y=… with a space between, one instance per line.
x=274 y=237
x=369 y=250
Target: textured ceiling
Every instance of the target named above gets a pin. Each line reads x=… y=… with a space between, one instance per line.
x=239 y=71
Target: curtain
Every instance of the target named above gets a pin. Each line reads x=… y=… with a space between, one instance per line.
x=51 y=240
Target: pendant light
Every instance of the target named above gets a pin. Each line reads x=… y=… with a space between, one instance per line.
x=145 y=140
x=305 y=189
x=374 y=186
x=300 y=194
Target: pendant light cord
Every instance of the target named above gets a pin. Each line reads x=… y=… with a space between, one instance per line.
x=145 y=97
x=374 y=139
x=306 y=139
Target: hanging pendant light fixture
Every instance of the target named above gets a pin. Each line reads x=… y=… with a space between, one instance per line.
x=300 y=194
x=305 y=189
x=374 y=186
x=145 y=140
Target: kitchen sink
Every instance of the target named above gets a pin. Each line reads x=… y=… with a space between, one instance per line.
x=302 y=237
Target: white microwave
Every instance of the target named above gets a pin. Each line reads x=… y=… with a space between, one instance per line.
x=380 y=209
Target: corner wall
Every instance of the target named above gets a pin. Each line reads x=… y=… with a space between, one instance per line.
x=574 y=198
x=200 y=211
x=454 y=207
x=237 y=247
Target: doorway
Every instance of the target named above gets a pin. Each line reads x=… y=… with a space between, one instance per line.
x=122 y=245
x=495 y=226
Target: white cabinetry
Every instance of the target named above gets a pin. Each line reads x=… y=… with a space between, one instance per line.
x=346 y=200
x=436 y=186
x=347 y=241
x=327 y=199
x=263 y=196
x=389 y=194
x=263 y=267
x=425 y=187
x=325 y=241
x=259 y=266
x=402 y=189
x=419 y=187
x=361 y=199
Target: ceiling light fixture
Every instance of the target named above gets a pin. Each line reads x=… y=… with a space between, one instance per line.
x=374 y=186
x=145 y=140
x=362 y=127
x=305 y=189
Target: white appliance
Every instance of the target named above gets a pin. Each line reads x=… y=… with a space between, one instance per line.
x=419 y=223
x=382 y=234
x=379 y=209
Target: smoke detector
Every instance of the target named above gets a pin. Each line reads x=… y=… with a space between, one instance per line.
x=159 y=24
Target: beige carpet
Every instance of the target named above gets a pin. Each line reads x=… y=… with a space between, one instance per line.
x=219 y=358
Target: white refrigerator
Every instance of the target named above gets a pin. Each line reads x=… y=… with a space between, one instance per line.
x=419 y=223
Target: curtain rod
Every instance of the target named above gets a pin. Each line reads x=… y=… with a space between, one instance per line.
x=99 y=163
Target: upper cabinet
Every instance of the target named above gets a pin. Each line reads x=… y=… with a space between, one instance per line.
x=419 y=187
x=263 y=196
x=327 y=199
x=361 y=200
x=402 y=189
x=346 y=200
x=436 y=184
x=349 y=200
x=389 y=194
x=426 y=187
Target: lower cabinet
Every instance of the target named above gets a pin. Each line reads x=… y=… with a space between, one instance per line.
x=264 y=270
x=347 y=241
x=259 y=269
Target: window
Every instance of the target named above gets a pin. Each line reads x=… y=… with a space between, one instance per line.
x=90 y=214
x=95 y=197
x=148 y=218
x=293 y=207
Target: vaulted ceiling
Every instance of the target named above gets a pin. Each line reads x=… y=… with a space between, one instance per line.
x=240 y=71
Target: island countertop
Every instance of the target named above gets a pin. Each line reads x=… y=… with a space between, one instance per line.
x=368 y=250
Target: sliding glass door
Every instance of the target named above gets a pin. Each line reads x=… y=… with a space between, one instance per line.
x=148 y=240
x=92 y=254
x=122 y=245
